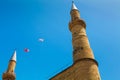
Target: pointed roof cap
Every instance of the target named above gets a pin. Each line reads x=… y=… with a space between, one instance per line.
x=14 y=56
x=73 y=6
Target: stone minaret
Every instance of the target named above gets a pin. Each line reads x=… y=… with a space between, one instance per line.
x=9 y=74
x=84 y=67
x=82 y=53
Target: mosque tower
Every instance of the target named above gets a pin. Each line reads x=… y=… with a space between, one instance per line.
x=9 y=74
x=84 y=66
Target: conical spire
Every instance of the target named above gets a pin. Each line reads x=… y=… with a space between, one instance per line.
x=14 y=56
x=73 y=6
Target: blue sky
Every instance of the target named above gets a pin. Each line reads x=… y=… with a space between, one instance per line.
x=23 y=22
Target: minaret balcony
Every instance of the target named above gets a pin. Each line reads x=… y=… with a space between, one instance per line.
x=77 y=22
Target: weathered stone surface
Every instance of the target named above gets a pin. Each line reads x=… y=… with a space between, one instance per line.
x=82 y=70
x=85 y=67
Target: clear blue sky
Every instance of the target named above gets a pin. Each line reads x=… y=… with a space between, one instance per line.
x=23 y=22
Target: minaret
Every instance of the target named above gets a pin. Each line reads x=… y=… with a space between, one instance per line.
x=81 y=46
x=84 y=67
x=9 y=74
x=82 y=53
